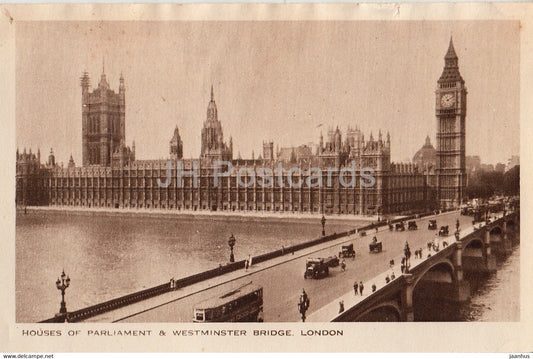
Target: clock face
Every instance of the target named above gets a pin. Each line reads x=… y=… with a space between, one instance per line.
x=447 y=100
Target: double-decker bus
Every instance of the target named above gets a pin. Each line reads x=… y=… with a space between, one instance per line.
x=243 y=304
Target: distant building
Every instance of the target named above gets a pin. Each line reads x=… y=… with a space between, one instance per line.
x=302 y=153
x=32 y=181
x=176 y=146
x=213 y=146
x=268 y=150
x=426 y=157
x=500 y=167
x=104 y=123
x=512 y=162
x=473 y=164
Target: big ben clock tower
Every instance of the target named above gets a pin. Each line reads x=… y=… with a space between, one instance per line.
x=450 y=111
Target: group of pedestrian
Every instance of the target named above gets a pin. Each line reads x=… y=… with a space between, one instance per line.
x=390 y=277
x=433 y=245
x=405 y=265
x=358 y=287
x=418 y=253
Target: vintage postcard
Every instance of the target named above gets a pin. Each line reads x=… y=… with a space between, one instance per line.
x=266 y=177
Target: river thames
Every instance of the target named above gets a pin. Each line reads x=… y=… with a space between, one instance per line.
x=109 y=255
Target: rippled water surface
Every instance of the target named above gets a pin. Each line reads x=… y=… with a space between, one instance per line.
x=498 y=297
x=108 y=256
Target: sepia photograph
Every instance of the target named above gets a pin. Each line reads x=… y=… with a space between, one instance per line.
x=278 y=171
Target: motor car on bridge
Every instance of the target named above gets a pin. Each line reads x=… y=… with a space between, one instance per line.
x=347 y=251
x=375 y=246
x=400 y=226
x=316 y=268
x=432 y=225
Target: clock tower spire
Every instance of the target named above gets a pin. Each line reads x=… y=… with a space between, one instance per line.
x=450 y=111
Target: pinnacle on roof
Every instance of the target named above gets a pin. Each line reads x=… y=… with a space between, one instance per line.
x=451 y=51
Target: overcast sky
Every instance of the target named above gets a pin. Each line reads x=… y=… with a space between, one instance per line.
x=280 y=81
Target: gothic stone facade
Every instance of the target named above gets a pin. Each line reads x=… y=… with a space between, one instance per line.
x=127 y=183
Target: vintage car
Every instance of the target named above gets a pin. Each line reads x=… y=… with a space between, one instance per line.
x=467 y=210
x=400 y=226
x=479 y=215
x=347 y=251
x=432 y=224
x=375 y=246
x=444 y=231
x=316 y=268
x=412 y=226
x=332 y=261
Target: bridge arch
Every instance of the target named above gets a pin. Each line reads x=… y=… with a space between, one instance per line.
x=474 y=247
x=432 y=289
x=388 y=311
x=443 y=263
x=497 y=229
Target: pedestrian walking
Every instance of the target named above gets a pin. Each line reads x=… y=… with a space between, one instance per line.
x=361 y=287
x=355 y=287
x=343 y=265
x=420 y=253
x=374 y=288
x=436 y=244
x=387 y=279
x=429 y=244
x=392 y=276
x=246 y=265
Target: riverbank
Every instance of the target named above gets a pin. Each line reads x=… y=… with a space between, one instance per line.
x=202 y=214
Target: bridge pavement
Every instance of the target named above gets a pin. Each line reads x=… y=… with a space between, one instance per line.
x=282 y=278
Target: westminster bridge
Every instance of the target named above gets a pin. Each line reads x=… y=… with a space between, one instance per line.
x=470 y=249
x=440 y=272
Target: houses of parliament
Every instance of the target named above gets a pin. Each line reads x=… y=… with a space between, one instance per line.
x=110 y=176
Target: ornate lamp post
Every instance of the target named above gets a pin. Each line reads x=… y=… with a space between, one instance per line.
x=62 y=285
x=323 y=221
x=407 y=254
x=303 y=304
x=231 y=243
